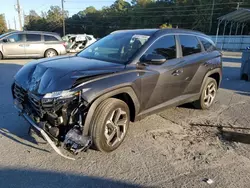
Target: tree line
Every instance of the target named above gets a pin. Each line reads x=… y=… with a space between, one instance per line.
x=198 y=15
x=3 y=26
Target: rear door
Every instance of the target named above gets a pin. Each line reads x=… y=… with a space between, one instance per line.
x=192 y=59
x=34 y=46
x=14 y=47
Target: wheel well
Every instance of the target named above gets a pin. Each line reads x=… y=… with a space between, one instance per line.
x=244 y=77
x=128 y=100
x=216 y=76
x=50 y=49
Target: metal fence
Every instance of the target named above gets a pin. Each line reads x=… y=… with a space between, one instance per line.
x=232 y=43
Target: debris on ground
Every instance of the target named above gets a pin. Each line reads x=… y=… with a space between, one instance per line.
x=208 y=181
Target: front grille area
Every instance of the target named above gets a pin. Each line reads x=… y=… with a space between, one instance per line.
x=28 y=100
x=35 y=104
x=19 y=93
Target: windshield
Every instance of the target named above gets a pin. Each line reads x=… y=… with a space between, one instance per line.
x=1 y=36
x=117 y=47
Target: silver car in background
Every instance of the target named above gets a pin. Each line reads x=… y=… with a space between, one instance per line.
x=29 y=44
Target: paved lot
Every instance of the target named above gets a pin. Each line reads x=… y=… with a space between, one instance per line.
x=163 y=150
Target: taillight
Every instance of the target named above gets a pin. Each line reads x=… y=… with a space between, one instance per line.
x=64 y=44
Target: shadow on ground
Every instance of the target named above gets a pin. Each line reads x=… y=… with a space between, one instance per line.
x=235 y=137
x=231 y=136
x=22 y=178
x=11 y=125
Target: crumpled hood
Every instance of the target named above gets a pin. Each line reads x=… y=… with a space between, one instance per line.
x=60 y=73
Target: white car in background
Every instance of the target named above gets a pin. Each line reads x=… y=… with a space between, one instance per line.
x=77 y=42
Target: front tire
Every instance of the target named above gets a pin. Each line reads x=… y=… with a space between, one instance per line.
x=208 y=95
x=110 y=124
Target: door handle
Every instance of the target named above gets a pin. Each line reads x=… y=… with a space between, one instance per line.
x=177 y=72
x=21 y=45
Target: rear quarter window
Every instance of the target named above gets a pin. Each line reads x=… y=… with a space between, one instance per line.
x=189 y=45
x=208 y=45
x=50 y=38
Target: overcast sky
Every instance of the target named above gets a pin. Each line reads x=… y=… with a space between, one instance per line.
x=73 y=6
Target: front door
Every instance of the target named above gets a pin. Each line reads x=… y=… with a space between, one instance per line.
x=14 y=46
x=163 y=82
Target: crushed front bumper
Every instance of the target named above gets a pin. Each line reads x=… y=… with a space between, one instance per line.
x=45 y=136
x=21 y=111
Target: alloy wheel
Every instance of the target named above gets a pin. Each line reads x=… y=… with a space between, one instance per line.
x=51 y=53
x=116 y=127
x=210 y=94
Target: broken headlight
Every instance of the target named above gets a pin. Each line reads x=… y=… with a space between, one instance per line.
x=49 y=97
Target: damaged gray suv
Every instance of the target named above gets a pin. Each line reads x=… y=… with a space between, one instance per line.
x=89 y=99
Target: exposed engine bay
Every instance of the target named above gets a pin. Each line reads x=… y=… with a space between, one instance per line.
x=60 y=118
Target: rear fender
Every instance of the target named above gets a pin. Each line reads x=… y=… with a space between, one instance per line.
x=217 y=70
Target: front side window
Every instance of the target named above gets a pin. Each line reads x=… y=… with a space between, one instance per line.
x=208 y=45
x=33 y=37
x=50 y=38
x=15 y=38
x=164 y=46
x=189 y=44
x=116 y=47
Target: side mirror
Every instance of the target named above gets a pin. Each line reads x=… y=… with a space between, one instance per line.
x=5 y=40
x=154 y=59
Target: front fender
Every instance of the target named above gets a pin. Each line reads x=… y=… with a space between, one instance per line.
x=97 y=87
x=96 y=90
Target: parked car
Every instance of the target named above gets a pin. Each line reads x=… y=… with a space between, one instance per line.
x=90 y=98
x=76 y=43
x=27 y=44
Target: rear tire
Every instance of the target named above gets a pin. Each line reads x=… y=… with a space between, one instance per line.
x=110 y=124
x=208 y=95
x=50 y=53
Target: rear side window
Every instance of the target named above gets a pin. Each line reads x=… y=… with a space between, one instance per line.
x=164 y=46
x=189 y=44
x=33 y=37
x=209 y=46
x=50 y=38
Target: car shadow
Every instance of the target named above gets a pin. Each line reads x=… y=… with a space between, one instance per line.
x=230 y=136
x=29 y=178
x=11 y=125
x=235 y=137
x=17 y=139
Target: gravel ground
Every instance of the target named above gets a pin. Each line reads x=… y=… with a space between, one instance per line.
x=178 y=147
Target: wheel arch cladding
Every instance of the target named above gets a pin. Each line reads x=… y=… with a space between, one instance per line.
x=125 y=97
x=125 y=93
x=215 y=74
x=217 y=77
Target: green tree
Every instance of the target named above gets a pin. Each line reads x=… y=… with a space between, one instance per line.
x=188 y=14
x=3 y=27
x=165 y=25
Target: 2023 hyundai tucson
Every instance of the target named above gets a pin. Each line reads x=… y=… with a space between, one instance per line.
x=90 y=98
